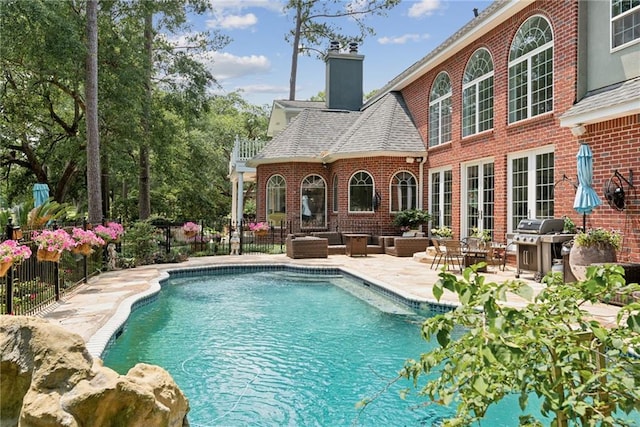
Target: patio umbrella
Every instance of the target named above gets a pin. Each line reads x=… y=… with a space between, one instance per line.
x=40 y=194
x=586 y=198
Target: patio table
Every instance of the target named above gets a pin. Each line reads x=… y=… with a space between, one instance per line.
x=356 y=244
x=475 y=255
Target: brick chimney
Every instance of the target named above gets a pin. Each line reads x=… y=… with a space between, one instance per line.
x=343 y=89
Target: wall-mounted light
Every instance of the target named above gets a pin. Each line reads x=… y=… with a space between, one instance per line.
x=418 y=159
x=410 y=159
x=578 y=130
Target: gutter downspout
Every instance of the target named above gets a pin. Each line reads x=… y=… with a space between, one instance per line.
x=421 y=183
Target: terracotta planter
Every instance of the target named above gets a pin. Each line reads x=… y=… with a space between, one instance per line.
x=582 y=257
x=4 y=267
x=83 y=249
x=261 y=232
x=45 y=255
x=190 y=234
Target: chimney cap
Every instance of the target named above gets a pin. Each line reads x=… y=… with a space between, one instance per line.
x=353 y=47
x=334 y=46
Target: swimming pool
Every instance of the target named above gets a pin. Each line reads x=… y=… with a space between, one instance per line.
x=274 y=348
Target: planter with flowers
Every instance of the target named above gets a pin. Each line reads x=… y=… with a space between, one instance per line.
x=51 y=243
x=12 y=252
x=411 y=219
x=190 y=229
x=259 y=228
x=443 y=232
x=84 y=241
x=109 y=233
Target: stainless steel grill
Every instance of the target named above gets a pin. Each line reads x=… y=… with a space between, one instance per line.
x=536 y=240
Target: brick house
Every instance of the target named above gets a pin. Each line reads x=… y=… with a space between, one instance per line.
x=500 y=109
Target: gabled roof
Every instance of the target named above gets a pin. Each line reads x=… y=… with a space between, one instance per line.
x=384 y=129
x=286 y=104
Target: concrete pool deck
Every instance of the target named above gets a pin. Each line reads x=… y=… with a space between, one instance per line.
x=91 y=306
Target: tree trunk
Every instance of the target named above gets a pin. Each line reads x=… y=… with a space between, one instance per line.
x=294 y=55
x=94 y=187
x=144 y=200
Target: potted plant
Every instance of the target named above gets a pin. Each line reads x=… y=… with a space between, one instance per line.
x=443 y=232
x=569 y=226
x=84 y=240
x=190 y=229
x=51 y=243
x=259 y=228
x=596 y=246
x=12 y=252
x=411 y=219
x=109 y=233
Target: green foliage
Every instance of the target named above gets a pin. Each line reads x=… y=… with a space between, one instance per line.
x=484 y=235
x=569 y=225
x=599 y=237
x=141 y=242
x=551 y=348
x=411 y=218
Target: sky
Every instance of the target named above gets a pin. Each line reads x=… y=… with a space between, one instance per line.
x=257 y=61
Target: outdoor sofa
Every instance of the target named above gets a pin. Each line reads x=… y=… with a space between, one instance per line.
x=405 y=246
x=337 y=242
x=299 y=247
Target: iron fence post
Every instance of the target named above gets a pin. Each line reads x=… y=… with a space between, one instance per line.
x=56 y=280
x=9 y=295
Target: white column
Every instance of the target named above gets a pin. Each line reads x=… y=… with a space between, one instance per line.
x=234 y=200
x=240 y=196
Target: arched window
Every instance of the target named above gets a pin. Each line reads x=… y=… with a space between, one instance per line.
x=313 y=203
x=440 y=111
x=276 y=200
x=477 y=94
x=403 y=192
x=531 y=70
x=361 y=192
x=335 y=193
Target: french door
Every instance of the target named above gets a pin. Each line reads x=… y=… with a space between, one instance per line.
x=478 y=199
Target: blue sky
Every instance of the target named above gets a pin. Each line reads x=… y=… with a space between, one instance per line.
x=258 y=59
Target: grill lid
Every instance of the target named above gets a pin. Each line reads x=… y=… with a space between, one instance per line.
x=540 y=226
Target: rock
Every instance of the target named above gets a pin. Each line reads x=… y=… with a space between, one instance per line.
x=47 y=377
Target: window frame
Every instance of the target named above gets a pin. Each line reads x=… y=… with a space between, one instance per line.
x=440 y=103
x=525 y=59
x=321 y=179
x=444 y=215
x=268 y=198
x=393 y=195
x=373 y=187
x=617 y=18
x=476 y=84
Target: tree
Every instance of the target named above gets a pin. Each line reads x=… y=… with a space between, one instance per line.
x=313 y=26
x=94 y=185
x=581 y=370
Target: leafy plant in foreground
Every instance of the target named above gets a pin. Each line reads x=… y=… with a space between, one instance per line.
x=582 y=370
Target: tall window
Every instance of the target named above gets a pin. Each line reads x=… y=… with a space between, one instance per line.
x=477 y=94
x=625 y=22
x=531 y=70
x=440 y=111
x=441 y=198
x=361 y=192
x=276 y=200
x=531 y=186
x=403 y=192
x=335 y=193
x=313 y=203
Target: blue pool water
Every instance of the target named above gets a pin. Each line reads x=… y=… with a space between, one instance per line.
x=277 y=349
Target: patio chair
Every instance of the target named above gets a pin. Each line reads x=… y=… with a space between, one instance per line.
x=453 y=253
x=437 y=259
x=497 y=256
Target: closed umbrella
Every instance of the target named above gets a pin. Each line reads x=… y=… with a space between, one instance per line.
x=40 y=194
x=586 y=198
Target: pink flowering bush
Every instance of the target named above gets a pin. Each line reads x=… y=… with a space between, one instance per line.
x=258 y=226
x=53 y=240
x=86 y=237
x=14 y=252
x=112 y=231
x=190 y=227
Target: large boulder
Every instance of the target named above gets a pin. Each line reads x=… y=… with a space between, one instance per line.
x=47 y=377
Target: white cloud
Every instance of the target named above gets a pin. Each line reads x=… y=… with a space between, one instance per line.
x=403 y=39
x=424 y=8
x=263 y=88
x=220 y=5
x=225 y=66
x=232 y=22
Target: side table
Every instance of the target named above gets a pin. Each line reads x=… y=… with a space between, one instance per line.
x=356 y=244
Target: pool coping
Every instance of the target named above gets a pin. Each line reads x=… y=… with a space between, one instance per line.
x=114 y=327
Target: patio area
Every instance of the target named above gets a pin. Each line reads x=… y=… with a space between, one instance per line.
x=96 y=310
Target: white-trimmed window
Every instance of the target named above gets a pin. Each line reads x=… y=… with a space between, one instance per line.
x=531 y=70
x=625 y=22
x=530 y=183
x=276 y=200
x=477 y=94
x=313 y=203
x=361 y=192
x=335 y=193
x=403 y=192
x=441 y=197
x=440 y=110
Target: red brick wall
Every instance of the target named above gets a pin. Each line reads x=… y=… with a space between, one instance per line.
x=503 y=139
